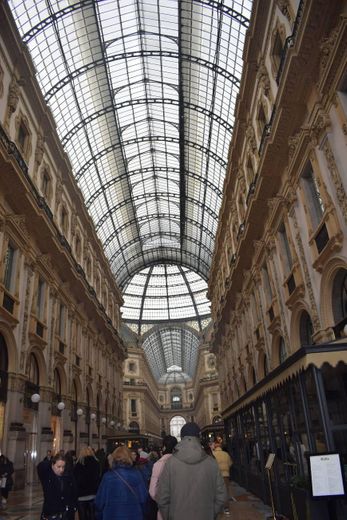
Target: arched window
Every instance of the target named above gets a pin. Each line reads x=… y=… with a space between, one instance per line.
x=78 y=247
x=261 y=119
x=313 y=196
x=98 y=410
x=254 y=377
x=306 y=329
x=57 y=382
x=176 y=424
x=33 y=370
x=265 y=366
x=88 y=409
x=277 y=51
x=250 y=171
x=282 y=351
x=64 y=220
x=88 y=268
x=74 y=404
x=339 y=296
x=32 y=385
x=56 y=395
x=134 y=427
x=46 y=184
x=176 y=398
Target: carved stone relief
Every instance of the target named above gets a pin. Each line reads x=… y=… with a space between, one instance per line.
x=335 y=175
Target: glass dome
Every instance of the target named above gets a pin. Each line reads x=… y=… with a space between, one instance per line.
x=165 y=293
x=175 y=376
x=172 y=352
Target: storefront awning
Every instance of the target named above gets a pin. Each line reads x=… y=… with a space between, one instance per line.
x=317 y=355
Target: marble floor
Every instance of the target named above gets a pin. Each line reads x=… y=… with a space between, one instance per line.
x=26 y=505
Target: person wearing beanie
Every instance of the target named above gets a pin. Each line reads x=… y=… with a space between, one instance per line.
x=191 y=485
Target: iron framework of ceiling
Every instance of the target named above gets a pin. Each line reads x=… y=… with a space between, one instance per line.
x=143 y=93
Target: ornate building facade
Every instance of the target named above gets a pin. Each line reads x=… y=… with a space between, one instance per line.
x=61 y=354
x=278 y=282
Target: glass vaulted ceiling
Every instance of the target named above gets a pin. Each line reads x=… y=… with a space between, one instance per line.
x=143 y=93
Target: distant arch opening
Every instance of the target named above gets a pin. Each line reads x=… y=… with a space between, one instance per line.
x=176 y=424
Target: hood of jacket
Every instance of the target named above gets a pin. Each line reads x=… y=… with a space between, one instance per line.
x=190 y=451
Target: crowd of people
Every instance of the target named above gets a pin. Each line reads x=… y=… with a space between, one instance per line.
x=184 y=480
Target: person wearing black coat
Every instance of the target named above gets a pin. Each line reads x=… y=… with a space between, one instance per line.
x=6 y=472
x=87 y=476
x=59 y=490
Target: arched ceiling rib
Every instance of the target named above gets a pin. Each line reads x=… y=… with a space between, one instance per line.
x=143 y=93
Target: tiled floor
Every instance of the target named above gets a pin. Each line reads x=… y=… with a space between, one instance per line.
x=26 y=505
x=245 y=506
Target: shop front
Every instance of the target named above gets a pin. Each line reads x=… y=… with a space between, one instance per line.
x=298 y=409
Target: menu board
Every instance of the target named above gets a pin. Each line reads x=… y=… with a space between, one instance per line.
x=326 y=475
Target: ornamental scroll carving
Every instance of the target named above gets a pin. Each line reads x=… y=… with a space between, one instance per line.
x=307 y=277
x=335 y=175
x=293 y=143
x=250 y=136
x=321 y=126
x=285 y=8
x=263 y=78
x=327 y=47
x=13 y=99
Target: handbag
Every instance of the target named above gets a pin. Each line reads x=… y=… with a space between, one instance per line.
x=3 y=482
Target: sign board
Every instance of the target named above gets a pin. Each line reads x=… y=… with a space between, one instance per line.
x=270 y=461
x=327 y=477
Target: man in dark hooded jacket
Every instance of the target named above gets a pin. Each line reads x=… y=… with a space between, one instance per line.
x=191 y=485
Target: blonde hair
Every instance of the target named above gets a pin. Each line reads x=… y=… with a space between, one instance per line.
x=86 y=451
x=122 y=454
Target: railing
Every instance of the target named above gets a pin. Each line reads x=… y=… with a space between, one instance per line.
x=290 y=41
x=12 y=149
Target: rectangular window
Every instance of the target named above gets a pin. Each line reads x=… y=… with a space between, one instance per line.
x=22 y=136
x=61 y=329
x=9 y=268
x=285 y=249
x=313 y=196
x=133 y=407
x=267 y=285
x=215 y=402
x=40 y=299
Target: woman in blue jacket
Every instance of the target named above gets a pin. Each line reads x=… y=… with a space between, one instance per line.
x=122 y=493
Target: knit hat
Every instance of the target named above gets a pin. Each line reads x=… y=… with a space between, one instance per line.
x=190 y=429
